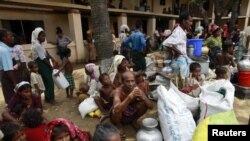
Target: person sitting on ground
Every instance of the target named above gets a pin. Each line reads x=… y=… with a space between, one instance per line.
x=36 y=80
x=22 y=101
x=82 y=93
x=119 y=66
x=226 y=58
x=68 y=70
x=34 y=127
x=62 y=41
x=221 y=73
x=195 y=80
x=106 y=132
x=129 y=103
x=12 y=132
x=63 y=129
x=93 y=73
x=105 y=100
x=141 y=82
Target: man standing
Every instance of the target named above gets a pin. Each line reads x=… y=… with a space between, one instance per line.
x=129 y=104
x=138 y=46
x=6 y=65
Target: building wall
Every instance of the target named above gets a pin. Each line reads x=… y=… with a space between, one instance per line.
x=51 y=20
x=64 y=1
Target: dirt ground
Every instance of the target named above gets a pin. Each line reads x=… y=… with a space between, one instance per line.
x=68 y=108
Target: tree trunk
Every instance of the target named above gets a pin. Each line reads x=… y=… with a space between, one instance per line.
x=101 y=28
x=218 y=11
x=234 y=17
x=204 y=14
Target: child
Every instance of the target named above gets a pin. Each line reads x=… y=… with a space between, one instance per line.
x=221 y=73
x=13 y=132
x=62 y=129
x=141 y=82
x=195 y=80
x=82 y=93
x=35 y=129
x=68 y=70
x=226 y=58
x=36 y=79
x=106 y=132
x=105 y=100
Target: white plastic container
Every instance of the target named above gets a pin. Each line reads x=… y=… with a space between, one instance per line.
x=60 y=81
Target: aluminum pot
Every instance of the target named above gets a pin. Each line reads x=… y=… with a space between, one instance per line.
x=244 y=65
x=149 y=132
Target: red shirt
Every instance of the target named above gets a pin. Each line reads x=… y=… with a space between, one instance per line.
x=36 y=134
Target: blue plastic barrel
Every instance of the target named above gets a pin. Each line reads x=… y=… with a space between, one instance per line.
x=197 y=44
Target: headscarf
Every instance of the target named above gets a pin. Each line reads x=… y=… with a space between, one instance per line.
x=34 y=39
x=35 y=34
x=20 y=85
x=74 y=131
x=94 y=70
x=113 y=69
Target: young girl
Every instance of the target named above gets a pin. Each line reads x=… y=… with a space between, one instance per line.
x=21 y=102
x=13 y=132
x=93 y=73
x=35 y=129
x=41 y=57
x=36 y=79
x=62 y=129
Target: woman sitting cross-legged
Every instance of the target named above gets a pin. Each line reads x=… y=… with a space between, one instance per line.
x=21 y=102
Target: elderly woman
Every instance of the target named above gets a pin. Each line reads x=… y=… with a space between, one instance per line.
x=93 y=73
x=21 y=102
x=41 y=57
x=119 y=66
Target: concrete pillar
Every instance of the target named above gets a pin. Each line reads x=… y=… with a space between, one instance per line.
x=151 y=25
x=171 y=24
x=122 y=19
x=247 y=15
x=213 y=15
x=75 y=28
x=197 y=23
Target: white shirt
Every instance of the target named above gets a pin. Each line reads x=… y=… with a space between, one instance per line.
x=35 y=78
x=178 y=39
x=38 y=51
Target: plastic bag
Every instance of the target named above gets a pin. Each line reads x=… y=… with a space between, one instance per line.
x=177 y=123
x=87 y=106
x=216 y=97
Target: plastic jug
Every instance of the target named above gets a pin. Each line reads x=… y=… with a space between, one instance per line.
x=60 y=81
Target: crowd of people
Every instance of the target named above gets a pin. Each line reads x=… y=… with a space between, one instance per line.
x=121 y=93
